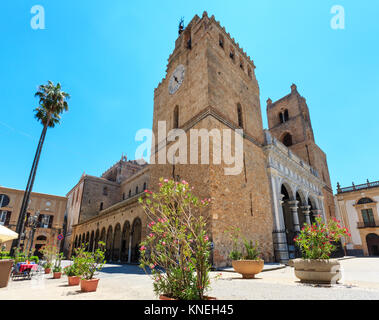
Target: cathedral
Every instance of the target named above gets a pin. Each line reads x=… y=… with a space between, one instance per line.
x=210 y=84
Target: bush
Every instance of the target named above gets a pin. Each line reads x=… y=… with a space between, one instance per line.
x=34 y=258
x=177 y=248
x=88 y=263
x=72 y=270
x=317 y=241
x=249 y=250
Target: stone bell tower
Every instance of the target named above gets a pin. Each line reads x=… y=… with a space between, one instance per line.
x=289 y=121
x=210 y=84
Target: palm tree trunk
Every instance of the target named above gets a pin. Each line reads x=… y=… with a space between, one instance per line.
x=29 y=187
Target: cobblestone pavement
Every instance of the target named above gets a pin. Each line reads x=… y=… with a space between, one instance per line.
x=360 y=281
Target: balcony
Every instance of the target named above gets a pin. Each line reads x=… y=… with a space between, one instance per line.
x=370 y=224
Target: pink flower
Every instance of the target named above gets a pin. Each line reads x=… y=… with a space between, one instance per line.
x=165 y=180
x=206 y=238
x=163 y=243
x=151 y=235
x=143 y=248
x=184 y=182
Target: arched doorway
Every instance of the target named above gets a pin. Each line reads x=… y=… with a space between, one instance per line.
x=288 y=221
x=372 y=241
x=87 y=241
x=117 y=243
x=103 y=235
x=39 y=243
x=136 y=239
x=108 y=244
x=97 y=238
x=125 y=239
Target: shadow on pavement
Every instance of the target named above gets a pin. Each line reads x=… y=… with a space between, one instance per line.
x=123 y=268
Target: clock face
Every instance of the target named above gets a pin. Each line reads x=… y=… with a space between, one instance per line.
x=176 y=79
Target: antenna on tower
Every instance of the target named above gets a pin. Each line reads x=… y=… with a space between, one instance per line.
x=181 y=25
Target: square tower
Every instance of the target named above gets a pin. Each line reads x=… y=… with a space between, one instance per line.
x=289 y=121
x=210 y=84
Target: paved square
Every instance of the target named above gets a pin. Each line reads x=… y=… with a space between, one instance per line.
x=360 y=281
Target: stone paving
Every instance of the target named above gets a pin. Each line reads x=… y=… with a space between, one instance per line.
x=360 y=281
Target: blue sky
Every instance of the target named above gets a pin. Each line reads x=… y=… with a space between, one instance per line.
x=111 y=55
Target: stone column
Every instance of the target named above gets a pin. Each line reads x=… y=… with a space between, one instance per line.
x=293 y=208
x=130 y=247
x=316 y=212
x=306 y=210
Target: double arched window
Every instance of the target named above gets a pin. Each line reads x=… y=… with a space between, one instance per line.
x=283 y=116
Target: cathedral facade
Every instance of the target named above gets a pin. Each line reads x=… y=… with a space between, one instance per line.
x=210 y=84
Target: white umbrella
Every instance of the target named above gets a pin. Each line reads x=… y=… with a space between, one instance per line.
x=7 y=234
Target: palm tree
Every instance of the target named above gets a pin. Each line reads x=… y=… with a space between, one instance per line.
x=52 y=103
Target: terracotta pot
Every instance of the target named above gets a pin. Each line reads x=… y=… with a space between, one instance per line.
x=47 y=270
x=57 y=275
x=163 y=297
x=5 y=272
x=248 y=268
x=89 y=285
x=73 y=281
x=323 y=271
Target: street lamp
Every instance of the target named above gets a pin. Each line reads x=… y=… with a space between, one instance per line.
x=34 y=224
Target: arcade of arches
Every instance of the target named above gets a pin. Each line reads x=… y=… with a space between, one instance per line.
x=120 y=229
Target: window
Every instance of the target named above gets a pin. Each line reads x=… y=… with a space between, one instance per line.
x=176 y=117
x=46 y=221
x=365 y=200
x=123 y=196
x=101 y=206
x=231 y=54
x=130 y=193
x=249 y=72
x=4 y=200
x=5 y=217
x=221 y=41
x=137 y=190
x=286 y=116
x=239 y=114
x=144 y=186
x=281 y=117
x=368 y=217
x=241 y=64
x=105 y=191
x=287 y=140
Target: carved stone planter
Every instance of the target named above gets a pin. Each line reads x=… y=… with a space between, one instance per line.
x=318 y=271
x=248 y=268
x=5 y=272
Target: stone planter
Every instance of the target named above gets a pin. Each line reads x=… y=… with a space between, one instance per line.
x=318 y=271
x=163 y=297
x=248 y=268
x=57 y=275
x=89 y=285
x=5 y=272
x=73 y=281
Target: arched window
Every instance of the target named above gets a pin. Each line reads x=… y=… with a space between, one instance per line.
x=287 y=140
x=239 y=114
x=281 y=117
x=41 y=238
x=286 y=116
x=101 y=205
x=176 y=117
x=137 y=190
x=130 y=193
x=221 y=40
x=144 y=186
x=365 y=200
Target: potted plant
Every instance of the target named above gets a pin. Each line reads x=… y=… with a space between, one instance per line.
x=176 y=250
x=88 y=264
x=73 y=274
x=48 y=252
x=57 y=270
x=6 y=264
x=247 y=261
x=316 y=243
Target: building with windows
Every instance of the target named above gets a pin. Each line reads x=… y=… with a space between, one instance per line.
x=357 y=207
x=210 y=84
x=51 y=216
